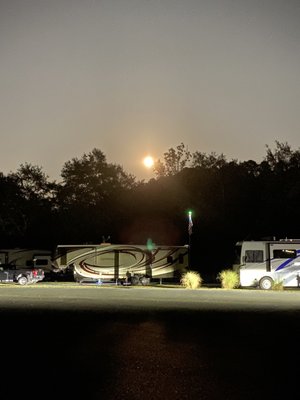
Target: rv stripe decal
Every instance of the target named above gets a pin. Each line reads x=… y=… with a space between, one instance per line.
x=286 y=263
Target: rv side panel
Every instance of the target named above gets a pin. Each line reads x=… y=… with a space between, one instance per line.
x=266 y=262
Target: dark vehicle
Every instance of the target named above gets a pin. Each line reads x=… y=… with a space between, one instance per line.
x=22 y=276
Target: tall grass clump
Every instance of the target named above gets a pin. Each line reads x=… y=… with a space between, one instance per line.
x=191 y=280
x=229 y=279
x=277 y=285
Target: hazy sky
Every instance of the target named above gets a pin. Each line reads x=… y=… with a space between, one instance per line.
x=132 y=77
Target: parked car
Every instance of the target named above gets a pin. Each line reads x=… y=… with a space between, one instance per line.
x=22 y=276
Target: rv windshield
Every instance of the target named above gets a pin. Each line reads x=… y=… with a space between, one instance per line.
x=237 y=253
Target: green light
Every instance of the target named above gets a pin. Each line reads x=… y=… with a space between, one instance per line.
x=189 y=213
x=150 y=244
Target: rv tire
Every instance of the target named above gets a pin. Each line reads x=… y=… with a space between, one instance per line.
x=135 y=280
x=266 y=283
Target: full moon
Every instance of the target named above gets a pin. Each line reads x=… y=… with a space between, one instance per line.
x=148 y=162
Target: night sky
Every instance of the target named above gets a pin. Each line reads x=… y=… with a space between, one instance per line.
x=137 y=77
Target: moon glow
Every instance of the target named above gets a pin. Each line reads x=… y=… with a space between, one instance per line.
x=148 y=162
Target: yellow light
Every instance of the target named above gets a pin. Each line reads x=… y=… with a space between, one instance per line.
x=148 y=162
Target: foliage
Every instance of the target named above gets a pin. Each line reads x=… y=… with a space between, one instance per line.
x=27 y=205
x=174 y=161
x=191 y=280
x=229 y=279
x=91 y=179
x=33 y=182
x=13 y=221
x=277 y=285
x=282 y=157
x=211 y=160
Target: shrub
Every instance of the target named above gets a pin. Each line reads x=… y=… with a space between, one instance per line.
x=229 y=279
x=191 y=280
x=277 y=285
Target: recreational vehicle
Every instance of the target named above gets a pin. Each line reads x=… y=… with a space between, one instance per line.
x=31 y=258
x=263 y=263
x=121 y=262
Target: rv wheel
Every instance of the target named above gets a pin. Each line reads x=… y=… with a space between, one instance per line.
x=265 y=283
x=144 y=280
x=135 y=280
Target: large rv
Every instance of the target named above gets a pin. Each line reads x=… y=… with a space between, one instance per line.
x=117 y=262
x=32 y=258
x=264 y=262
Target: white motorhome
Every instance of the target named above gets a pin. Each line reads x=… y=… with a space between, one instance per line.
x=264 y=262
x=114 y=262
x=32 y=258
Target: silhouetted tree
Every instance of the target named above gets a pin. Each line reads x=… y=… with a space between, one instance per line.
x=34 y=183
x=211 y=160
x=280 y=183
x=90 y=180
x=13 y=221
x=174 y=161
x=36 y=204
x=282 y=157
x=87 y=196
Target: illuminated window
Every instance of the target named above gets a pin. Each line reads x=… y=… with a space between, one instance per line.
x=284 y=253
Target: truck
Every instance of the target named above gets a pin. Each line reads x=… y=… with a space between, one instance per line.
x=27 y=258
x=10 y=273
x=265 y=262
x=122 y=263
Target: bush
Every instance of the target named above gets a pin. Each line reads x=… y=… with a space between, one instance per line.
x=277 y=285
x=191 y=280
x=229 y=279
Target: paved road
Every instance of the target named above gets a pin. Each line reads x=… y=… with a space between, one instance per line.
x=72 y=297
x=148 y=343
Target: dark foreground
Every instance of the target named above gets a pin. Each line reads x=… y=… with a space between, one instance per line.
x=140 y=354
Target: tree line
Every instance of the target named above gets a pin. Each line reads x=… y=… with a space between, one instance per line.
x=98 y=201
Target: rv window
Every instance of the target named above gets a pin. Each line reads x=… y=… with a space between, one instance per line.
x=253 y=256
x=284 y=253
